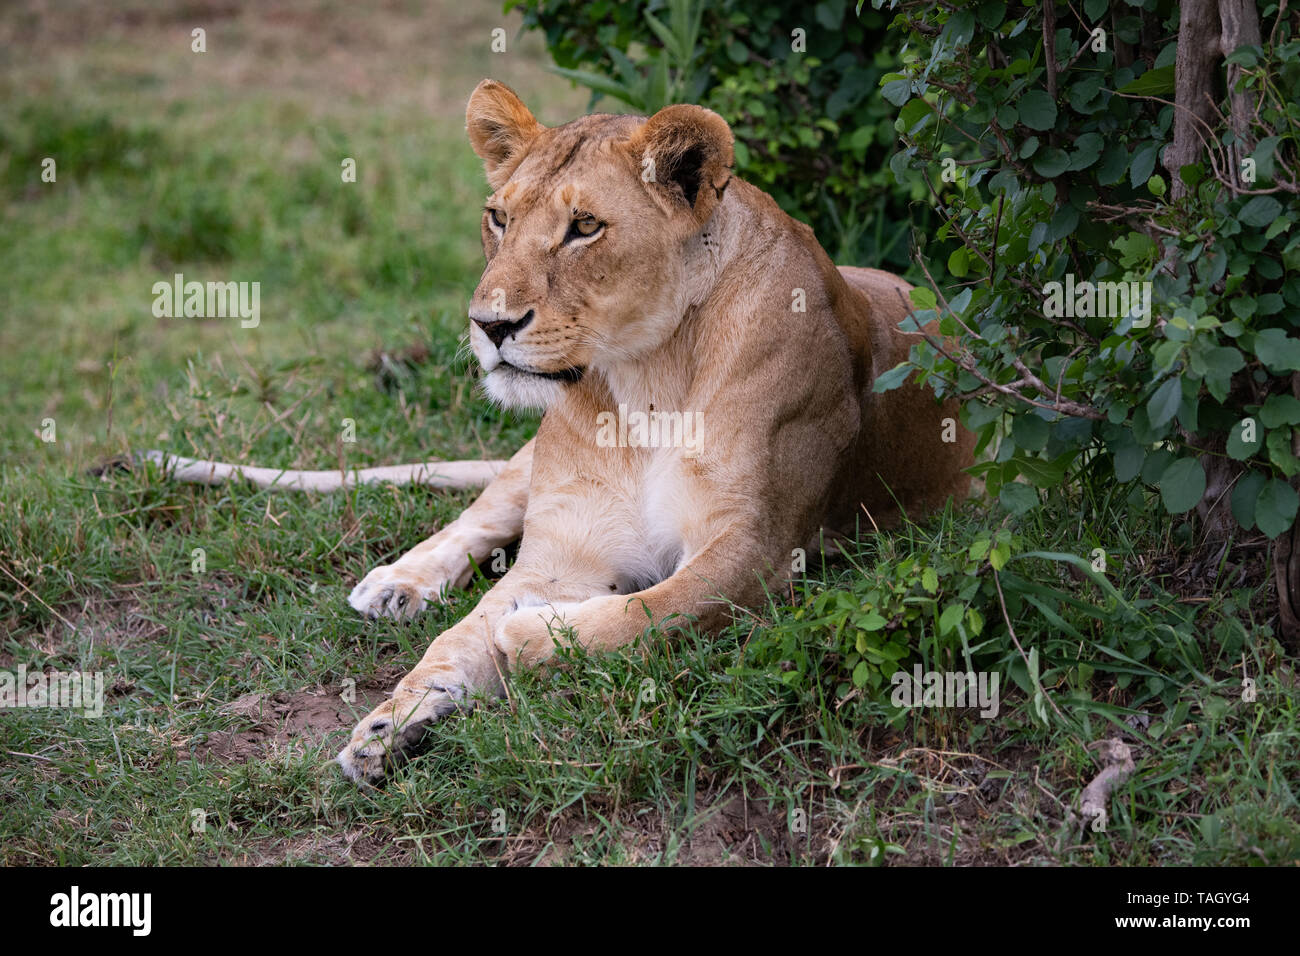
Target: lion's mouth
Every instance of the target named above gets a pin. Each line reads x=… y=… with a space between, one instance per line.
x=570 y=375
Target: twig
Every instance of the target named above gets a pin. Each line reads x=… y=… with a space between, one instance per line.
x=1049 y=47
x=1065 y=408
x=997 y=225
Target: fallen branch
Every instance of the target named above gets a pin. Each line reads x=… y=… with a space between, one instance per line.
x=1117 y=767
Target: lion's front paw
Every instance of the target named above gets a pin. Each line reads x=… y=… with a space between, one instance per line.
x=384 y=737
x=365 y=757
x=401 y=592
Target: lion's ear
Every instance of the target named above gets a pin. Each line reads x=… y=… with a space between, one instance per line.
x=685 y=155
x=500 y=128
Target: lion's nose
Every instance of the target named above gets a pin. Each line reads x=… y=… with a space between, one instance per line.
x=497 y=329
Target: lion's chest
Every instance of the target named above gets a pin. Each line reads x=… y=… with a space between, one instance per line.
x=657 y=520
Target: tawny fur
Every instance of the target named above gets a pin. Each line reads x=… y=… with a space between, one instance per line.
x=684 y=301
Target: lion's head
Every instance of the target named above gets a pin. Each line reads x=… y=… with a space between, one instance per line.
x=583 y=235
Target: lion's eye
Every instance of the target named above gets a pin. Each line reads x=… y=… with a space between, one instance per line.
x=498 y=218
x=584 y=228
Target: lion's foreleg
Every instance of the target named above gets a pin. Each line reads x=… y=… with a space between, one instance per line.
x=528 y=636
x=461 y=663
x=495 y=519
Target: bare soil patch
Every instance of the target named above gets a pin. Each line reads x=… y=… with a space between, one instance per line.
x=285 y=720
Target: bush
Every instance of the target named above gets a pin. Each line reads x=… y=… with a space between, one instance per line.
x=1046 y=166
x=797 y=83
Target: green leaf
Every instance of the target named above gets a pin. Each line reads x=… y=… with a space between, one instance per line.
x=978 y=414
x=1164 y=403
x=958 y=263
x=960 y=28
x=1063 y=223
x=1191 y=174
x=1279 y=451
x=992 y=14
x=1244 y=495
x=1189 y=413
x=1223 y=359
x=1051 y=162
x=1156 y=463
x=1037 y=110
x=1280 y=410
x=1263 y=155
x=1238 y=447
x=601 y=84
x=1018 y=498
x=923 y=298
x=1182 y=485
x=1151 y=83
x=1030 y=432
x=897 y=92
x=1166 y=353
x=1242 y=56
x=1041 y=473
x=1144 y=161
x=951 y=616
x=1113 y=165
x=1084 y=92
x=1259 y=212
x=1128 y=462
x=895 y=377
x=1143 y=433
x=666 y=36
x=1086 y=150
x=930 y=580
x=1275 y=508
x=1134 y=248
x=1277 y=350
x=1218 y=365
x=911 y=114
x=870 y=621
x=958 y=303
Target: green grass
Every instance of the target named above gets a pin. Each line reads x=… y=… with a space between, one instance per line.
x=224 y=683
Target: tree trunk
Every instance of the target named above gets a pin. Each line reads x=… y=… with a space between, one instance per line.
x=1194 y=75
x=1207 y=31
x=1240 y=22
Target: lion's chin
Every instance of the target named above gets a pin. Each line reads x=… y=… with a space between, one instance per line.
x=511 y=388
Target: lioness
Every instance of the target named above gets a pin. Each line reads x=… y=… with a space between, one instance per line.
x=628 y=272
